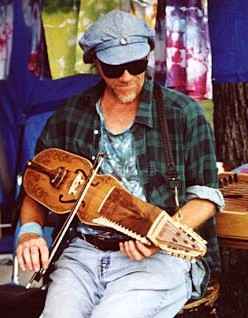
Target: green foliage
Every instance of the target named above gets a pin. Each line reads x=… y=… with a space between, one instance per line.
x=91 y=6
x=207 y=105
x=51 y=6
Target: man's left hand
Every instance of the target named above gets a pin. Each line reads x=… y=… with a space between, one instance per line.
x=137 y=251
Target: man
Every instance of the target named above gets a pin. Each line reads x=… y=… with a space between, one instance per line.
x=119 y=117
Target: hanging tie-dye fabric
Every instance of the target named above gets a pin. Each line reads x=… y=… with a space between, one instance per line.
x=188 y=49
x=6 y=35
x=64 y=24
x=37 y=61
x=182 y=51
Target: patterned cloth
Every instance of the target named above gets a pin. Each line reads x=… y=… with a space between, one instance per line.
x=190 y=134
x=182 y=51
x=188 y=48
x=29 y=18
x=6 y=36
x=121 y=158
x=38 y=59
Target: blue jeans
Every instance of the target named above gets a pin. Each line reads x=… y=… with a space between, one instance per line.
x=88 y=282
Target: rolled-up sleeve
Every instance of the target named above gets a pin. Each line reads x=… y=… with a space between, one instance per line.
x=206 y=193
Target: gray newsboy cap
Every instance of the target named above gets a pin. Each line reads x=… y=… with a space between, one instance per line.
x=116 y=38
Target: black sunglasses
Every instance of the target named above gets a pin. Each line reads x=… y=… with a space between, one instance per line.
x=115 y=71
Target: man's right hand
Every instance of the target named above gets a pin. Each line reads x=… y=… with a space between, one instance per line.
x=32 y=252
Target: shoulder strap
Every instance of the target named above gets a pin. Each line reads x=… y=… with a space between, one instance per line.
x=172 y=176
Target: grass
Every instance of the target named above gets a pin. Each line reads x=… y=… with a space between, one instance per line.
x=207 y=105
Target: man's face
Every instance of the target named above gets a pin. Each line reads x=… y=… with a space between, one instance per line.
x=126 y=87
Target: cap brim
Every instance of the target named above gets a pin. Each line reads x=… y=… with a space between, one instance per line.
x=123 y=54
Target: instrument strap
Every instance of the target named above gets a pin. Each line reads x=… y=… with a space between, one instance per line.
x=171 y=174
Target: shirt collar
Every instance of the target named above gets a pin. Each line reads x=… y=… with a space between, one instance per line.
x=145 y=114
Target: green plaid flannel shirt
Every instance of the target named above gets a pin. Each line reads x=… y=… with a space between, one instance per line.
x=75 y=127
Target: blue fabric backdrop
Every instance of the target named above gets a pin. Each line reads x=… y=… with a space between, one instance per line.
x=228 y=28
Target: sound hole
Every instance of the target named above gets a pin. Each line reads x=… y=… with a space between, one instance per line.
x=65 y=201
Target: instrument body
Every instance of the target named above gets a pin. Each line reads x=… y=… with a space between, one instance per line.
x=61 y=199
x=55 y=178
x=232 y=222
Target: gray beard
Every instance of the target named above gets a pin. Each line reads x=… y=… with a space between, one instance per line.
x=125 y=99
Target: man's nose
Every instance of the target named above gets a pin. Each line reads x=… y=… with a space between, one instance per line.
x=126 y=76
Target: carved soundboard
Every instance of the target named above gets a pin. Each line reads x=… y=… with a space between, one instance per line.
x=232 y=222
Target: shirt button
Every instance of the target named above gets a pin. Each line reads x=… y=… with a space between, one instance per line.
x=93 y=157
x=96 y=132
x=123 y=41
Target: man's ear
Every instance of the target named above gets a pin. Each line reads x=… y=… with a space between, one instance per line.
x=98 y=67
x=88 y=56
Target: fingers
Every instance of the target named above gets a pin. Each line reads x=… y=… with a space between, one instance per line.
x=146 y=250
x=35 y=258
x=135 y=250
x=44 y=255
x=129 y=249
x=32 y=252
x=24 y=258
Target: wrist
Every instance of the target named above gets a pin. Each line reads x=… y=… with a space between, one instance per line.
x=30 y=227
